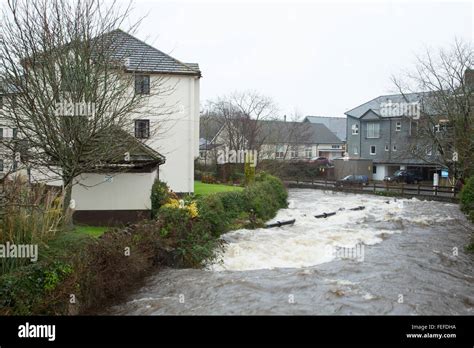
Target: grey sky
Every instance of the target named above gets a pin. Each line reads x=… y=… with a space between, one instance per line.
x=322 y=58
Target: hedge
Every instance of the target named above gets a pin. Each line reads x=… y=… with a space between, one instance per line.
x=101 y=271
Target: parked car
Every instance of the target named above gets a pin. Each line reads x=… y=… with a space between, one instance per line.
x=320 y=160
x=405 y=176
x=353 y=180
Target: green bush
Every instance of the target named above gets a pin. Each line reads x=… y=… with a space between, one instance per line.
x=199 y=244
x=234 y=203
x=467 y=196
x=34 y=289
x=160 y=194
x=174 y=221
x=211 y=209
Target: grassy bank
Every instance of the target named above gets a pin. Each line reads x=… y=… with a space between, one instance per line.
x=83 y=270
x=203 y=189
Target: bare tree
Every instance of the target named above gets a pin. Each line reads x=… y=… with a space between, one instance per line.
x=67 y=85
x=444 y=133
x=241 y=115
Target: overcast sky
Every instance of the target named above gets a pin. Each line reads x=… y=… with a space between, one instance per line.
x=320 y=58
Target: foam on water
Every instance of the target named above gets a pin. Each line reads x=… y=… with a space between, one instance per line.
x=312 y=241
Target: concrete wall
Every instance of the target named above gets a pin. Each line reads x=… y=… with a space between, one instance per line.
x=175 y=124
x=343 y=168
x=122 y=191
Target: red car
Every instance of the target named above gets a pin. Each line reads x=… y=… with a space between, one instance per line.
x=320 y=160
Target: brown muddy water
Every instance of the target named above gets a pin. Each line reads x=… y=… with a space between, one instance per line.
x=397 y=256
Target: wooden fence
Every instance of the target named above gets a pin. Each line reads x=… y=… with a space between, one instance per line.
x=442 y=193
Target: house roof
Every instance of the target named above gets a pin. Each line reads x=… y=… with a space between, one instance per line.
x=375 y=104
x=297 y=132
x=141 y=57
x=139 y=153
x=337 y=125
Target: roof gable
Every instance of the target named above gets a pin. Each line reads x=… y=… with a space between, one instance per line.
x=370 y=115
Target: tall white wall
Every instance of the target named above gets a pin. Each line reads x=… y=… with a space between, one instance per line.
x=177 y=134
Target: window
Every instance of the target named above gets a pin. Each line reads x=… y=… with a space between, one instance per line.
x=335 y=146
x=394 y=148
x=142 y=129
x=1 y=133
x=294 y=152
x=373 y=130
x=1 y=102
x=355 y=150
x=372 y=150
x=398 y=126
x=1 y=165
x=279 y=153
x=374 y=169
x=15 y=133
x=308 y=152
x=386 y=148
x=142 y=84
x=355 y=129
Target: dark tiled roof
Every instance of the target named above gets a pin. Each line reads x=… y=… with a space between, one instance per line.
x=137 y=55
x=139 y=152
x=297 y=132
x=337 y=125
x=375 y=103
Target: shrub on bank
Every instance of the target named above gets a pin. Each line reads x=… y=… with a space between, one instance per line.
x=467 y=196
x=160 y=194
x=99 y=271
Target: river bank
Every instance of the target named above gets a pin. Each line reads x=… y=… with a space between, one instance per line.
x=414 y=263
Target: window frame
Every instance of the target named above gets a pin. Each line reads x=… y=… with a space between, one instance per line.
x=142 y=87
x=375 y=126
x=147 y=129
x=375 y=150
x=398 y=126
x=355 y=129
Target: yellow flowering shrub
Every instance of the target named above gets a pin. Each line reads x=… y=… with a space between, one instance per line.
x=180 y=204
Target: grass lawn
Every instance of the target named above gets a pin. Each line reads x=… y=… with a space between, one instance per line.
x=93 y=231
x=207 y=189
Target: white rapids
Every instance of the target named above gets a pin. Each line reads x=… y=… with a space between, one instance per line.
x=312 y=241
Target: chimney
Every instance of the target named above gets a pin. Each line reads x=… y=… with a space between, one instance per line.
x=284 y=118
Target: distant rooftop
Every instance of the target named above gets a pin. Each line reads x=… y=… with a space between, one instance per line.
x=337 y=125
x=375 y=104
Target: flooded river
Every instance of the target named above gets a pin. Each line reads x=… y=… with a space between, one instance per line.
x=397 y=256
